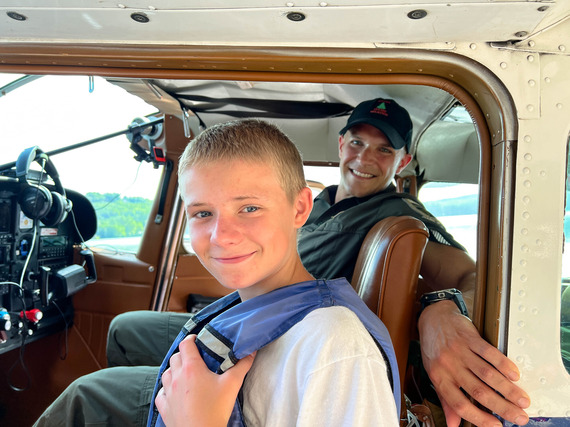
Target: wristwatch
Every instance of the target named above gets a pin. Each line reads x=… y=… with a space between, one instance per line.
x=446 y=294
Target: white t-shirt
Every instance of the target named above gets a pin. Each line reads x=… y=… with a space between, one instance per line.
x=325 y=371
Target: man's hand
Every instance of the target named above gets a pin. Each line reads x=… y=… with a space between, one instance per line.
x=456 y=358
x=194 y=395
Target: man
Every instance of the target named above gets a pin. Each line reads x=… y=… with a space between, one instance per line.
x=373 y=148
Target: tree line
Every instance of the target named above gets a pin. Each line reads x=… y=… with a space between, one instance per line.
x=119 y=216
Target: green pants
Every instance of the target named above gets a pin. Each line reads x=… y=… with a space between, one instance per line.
x=142 y=337
x=119 y=395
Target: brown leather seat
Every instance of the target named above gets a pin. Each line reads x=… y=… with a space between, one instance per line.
x=386 y=278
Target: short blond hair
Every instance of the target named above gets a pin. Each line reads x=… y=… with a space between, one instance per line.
x=248 y=140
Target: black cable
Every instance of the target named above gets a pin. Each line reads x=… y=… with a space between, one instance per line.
x=64 y=356
x=25 y=329
x=24 y=367
x=22 y=345
x=36 y=227
x=17 y=286
x=77 y=229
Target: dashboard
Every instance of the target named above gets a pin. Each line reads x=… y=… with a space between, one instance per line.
x=40 y=267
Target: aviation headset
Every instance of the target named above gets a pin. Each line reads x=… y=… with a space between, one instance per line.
x=36 y=201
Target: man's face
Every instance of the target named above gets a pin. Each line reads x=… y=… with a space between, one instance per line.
x=242 y=225
x=368 y=162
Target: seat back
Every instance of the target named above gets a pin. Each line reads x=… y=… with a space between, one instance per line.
x=386 y=278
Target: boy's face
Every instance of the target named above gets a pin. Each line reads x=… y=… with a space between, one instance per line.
x=242 y=226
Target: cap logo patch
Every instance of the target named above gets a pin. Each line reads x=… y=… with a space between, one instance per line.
x=380 y=109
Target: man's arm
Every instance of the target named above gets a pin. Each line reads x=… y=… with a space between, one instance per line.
x=445 y=267
x=455 y=356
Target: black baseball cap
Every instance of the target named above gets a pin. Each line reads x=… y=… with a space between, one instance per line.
x=387 y=116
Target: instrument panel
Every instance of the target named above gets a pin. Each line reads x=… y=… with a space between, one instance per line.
x=38 y=274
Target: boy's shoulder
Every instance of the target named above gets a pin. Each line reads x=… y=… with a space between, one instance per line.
x=331 y=334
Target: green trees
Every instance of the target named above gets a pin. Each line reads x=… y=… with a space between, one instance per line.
x=119 y=216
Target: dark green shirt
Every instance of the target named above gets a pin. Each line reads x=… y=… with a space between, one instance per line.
x=330 y=240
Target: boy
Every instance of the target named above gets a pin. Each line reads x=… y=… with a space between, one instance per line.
x=322 y=357
x=373 y=146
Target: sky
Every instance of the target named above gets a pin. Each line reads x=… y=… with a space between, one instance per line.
x=57 y=111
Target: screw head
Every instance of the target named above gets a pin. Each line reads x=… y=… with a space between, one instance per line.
x=296 y=16
x=140 y=17
x=417 y=14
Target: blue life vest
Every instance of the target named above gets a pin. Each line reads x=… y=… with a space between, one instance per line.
x=228 y=330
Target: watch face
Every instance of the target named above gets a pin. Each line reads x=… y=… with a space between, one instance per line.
x=444 y=294
x=447 y=294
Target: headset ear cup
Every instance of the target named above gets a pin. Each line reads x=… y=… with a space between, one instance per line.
x=35 y=201
x=58 y=212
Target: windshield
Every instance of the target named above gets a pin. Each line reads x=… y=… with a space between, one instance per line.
x=52 y=112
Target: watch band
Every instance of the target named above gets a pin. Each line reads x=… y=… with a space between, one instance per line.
x=445 y=294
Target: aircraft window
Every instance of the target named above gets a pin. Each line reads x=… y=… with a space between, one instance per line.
x=53 y=112
x=325 y=175
x=456 y=206
x=565 y=303
x=457 y=114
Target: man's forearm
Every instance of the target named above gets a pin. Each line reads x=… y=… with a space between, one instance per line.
x=467 y=287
